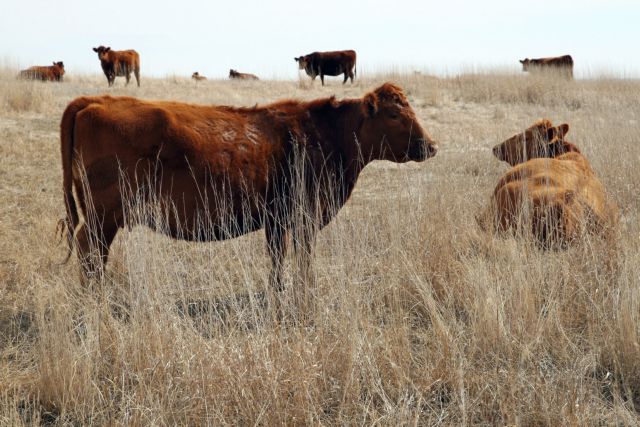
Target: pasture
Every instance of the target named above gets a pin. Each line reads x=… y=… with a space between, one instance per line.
x=417 y=317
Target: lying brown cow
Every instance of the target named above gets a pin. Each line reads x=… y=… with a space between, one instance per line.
x=551 y=188
x=118 y=63
x=561 y=64
x=329 y=64
x=52 y=73
x=221 y=171
x=233 y=74
x=197 y=77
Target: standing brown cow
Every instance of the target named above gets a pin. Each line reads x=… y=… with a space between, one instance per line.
x=221 y=171
x=118 y=63
x=329 y=64
x=234 y=75
x=51 y=73
x=551 y=189
x=560 y=64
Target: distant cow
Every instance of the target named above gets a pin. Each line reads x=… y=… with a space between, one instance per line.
x=551 y=189
x=233 y=74
x=222 y=172
x=329 y=64
x=561 y=64
x=51 y=73
x=197 y=77
x=118 y=63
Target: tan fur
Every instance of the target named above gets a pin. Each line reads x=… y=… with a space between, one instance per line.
x=233 y=74
x=52 y=73
x=550 y=189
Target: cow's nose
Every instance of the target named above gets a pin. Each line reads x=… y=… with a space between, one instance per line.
x=432 y=149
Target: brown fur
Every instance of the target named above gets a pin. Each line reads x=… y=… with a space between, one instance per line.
x=197 y=77
x=329 y=64
x=52 y=73
x=118 y=63
x=563 y=64
x=233 y=74
x=551 y=187
x=231 y=168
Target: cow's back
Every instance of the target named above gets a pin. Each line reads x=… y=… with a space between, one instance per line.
x=562 y=193
x=182 y=150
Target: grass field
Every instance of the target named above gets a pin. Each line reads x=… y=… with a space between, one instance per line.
x=420 y=318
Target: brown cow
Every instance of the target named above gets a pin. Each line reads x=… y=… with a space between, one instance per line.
x=233 y=74
x=329 y=64
x=118 y=63
x=561 y=64
x=551 y=188
x=52 y=73
x=197 y=77
x=221 y=171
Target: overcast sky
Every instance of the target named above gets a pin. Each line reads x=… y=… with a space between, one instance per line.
x=262 y=37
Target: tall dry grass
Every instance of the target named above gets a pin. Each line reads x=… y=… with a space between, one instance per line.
x=419 y=317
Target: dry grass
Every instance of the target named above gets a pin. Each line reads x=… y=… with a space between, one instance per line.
x=420 y=318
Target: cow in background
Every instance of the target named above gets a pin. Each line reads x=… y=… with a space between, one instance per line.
x=118 y=63
x=329 y=64
x=561 y=64
x=234 y=75
x=52 y=73
x=197 y=77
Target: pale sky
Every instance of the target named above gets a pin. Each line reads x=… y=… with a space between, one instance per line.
x=262 y=37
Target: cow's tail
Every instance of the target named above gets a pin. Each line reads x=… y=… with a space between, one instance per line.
x=69 y=224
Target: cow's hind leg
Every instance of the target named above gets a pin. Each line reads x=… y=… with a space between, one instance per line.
x=128 y=77
x=346 y=76
x=93 y=249
x=277 y=245
x=137 y=74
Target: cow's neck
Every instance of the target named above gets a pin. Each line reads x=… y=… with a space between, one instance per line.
x=339 y=133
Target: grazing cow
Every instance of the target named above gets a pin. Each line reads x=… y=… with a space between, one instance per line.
x=221 y=172
x=197 y=77
x=329 y=64
x=550 y=190
x=561 y=64
x=52 y=73
x=233 y=74
x=118 y=63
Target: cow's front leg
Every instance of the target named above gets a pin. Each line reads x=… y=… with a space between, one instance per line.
x=276 y=235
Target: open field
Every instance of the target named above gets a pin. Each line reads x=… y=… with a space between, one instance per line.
x=420 y=317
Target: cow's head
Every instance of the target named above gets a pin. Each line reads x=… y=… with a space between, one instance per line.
x=390 y=130
x=232 y=73
x=302 y=62
x=59 y=64
x=102 y=51
x=542 y=139
x=525 y=64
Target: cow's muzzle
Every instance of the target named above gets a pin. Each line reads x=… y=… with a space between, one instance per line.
x=422 y=150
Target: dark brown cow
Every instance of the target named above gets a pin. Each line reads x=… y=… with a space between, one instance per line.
x=329 y=64
x=551 y=189
x=52 y=73
x=197 y=77
x=118 y=63
x=221 y=171
x=233 y=74
x=560 y=64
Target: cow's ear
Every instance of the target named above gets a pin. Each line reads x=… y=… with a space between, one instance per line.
x=563 y=129
x=557 y=132
x=371 y=104
x=556 y=148
x=296 y=59
x=95 y=49
x=54 y=63
x=107 y=49
x=522 y=61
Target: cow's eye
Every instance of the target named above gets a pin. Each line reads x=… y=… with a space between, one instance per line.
x=394 y=116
